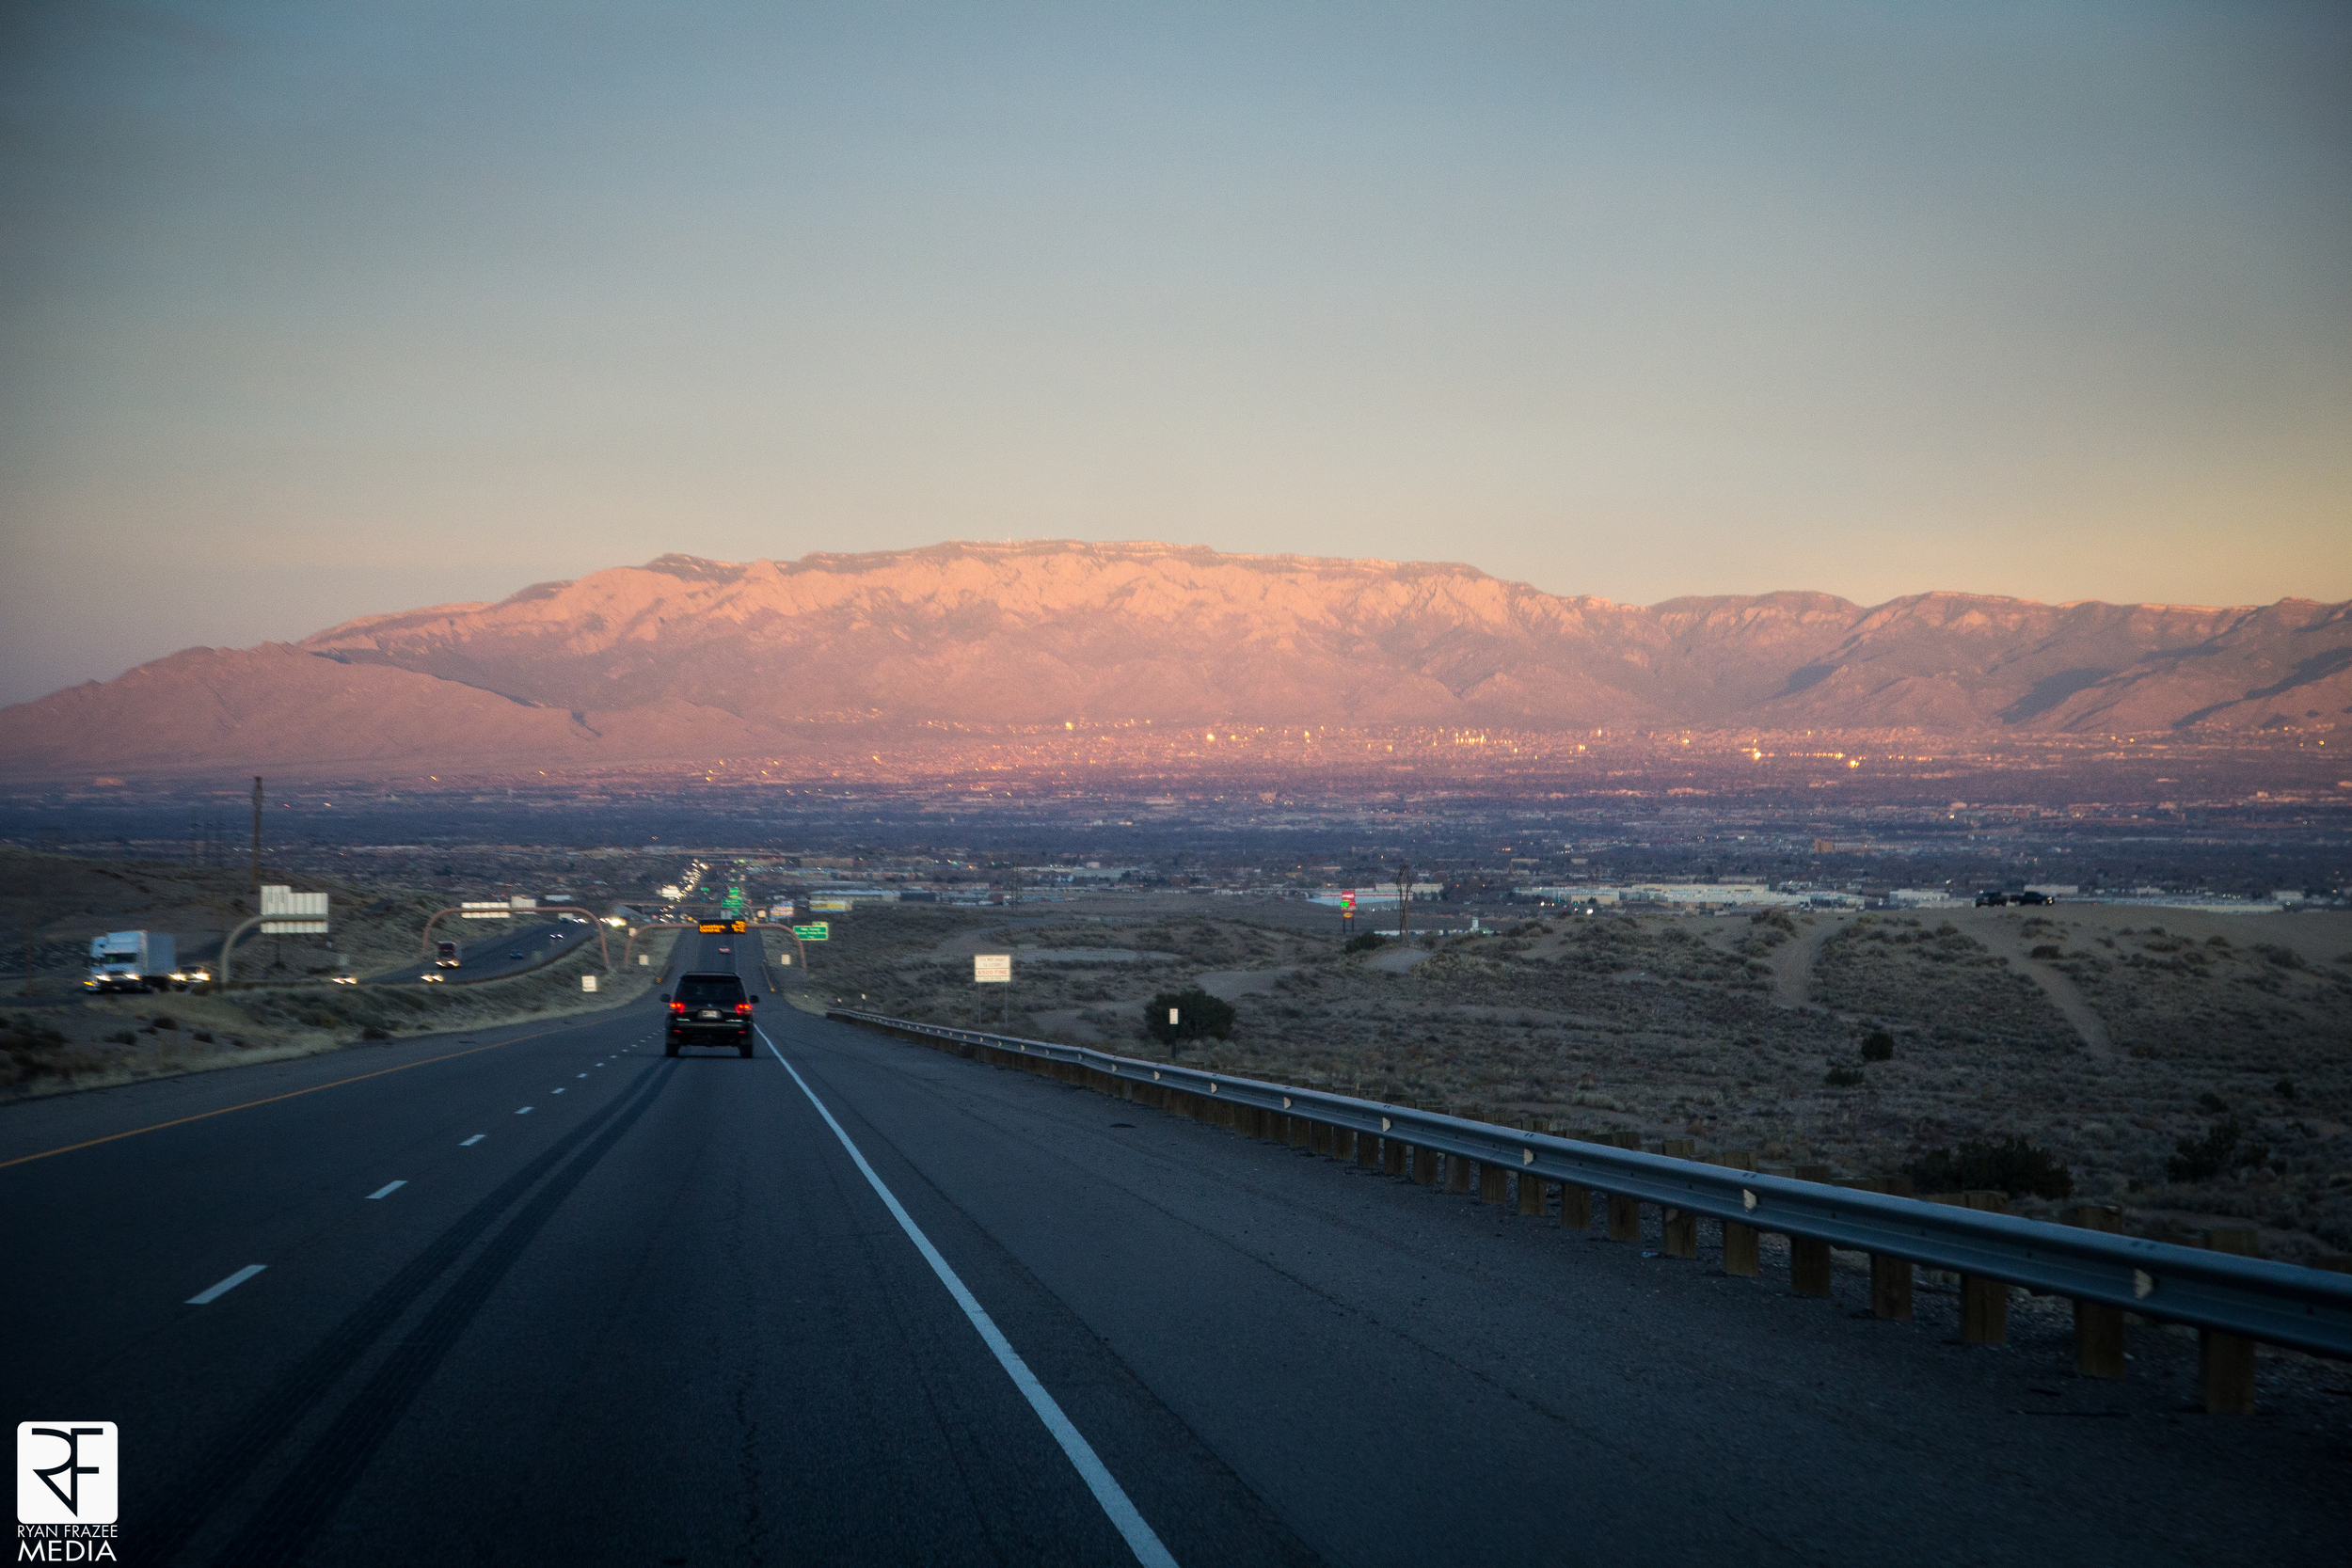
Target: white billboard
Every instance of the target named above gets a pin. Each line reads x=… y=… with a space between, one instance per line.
x=288 y=913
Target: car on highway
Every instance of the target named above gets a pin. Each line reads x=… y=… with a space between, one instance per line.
x=709 y=1010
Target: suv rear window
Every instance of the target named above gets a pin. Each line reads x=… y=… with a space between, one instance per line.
x=704 y=990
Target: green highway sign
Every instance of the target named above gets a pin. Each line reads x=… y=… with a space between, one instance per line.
x=813 y=933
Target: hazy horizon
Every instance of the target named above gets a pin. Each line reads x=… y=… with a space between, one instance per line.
x=315 y=315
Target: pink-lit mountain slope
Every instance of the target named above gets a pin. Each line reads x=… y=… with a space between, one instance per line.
x=684 y=657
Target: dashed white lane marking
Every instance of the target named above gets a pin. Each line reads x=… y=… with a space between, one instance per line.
x=583 y=1074
x=206 y=1298
x=524 y=1112
x=475 y=1139
x=555 y=1091
x=1097 y=1476
x=387 y=1188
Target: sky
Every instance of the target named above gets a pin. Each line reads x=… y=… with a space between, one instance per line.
x=309 y=313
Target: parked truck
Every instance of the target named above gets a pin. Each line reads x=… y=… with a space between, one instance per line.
x=138 y=960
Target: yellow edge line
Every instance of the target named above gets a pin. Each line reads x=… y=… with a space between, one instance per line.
x=271 y=1100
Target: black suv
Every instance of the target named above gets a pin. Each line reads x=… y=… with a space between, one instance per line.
x=709 y=1009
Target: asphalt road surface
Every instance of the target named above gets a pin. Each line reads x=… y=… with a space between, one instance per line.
x=485 y=954
x=540 y=1295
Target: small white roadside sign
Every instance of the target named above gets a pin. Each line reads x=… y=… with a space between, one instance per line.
x=992 y=968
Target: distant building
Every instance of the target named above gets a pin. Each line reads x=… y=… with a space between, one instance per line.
x=1722 y=895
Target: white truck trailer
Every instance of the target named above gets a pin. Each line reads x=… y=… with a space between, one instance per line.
x=138 y=960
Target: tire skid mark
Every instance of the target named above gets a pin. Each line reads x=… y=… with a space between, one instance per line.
x=233 y=1461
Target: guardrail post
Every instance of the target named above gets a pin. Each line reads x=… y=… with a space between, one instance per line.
x=1494 y=1182
x=1984 y=1303
x=1532 y=1188
x=1457 y=1173
x=1890 y=1277
x=2225 y=1362
x=2098 y=1327
x=1575 y=1208
x=1342 y=1142
x=1576 y=1203
x=1740 y=1249
x=1424 y=1167
x=1302 y=1132
x=1393 y=1154
x=1368 y=1151
x=1808 y=1259
x=1678 y=1229
x=1624 y=1213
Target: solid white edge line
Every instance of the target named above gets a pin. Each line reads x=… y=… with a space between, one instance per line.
x=387 y=1188
x=1107 y=1492
x=205 y=1298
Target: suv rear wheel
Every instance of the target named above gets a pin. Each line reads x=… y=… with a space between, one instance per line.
x=669 y=1047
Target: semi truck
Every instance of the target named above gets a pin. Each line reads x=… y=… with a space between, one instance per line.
x=447 y=955
x=138 y=960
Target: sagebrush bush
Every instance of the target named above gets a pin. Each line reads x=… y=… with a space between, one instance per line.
x=1197 y=1013
x=2222 y=1149
x=1877 y=1046
x=2013 y=1165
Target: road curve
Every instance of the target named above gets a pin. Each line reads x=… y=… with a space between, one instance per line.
x=486 y=958
x=541 y=1294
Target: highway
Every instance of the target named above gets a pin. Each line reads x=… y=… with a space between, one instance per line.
x=485 y=946
x=539 y=1294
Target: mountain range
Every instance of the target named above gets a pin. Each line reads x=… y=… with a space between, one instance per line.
x=683 y=658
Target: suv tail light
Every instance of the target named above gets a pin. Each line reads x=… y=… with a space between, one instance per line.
x=677 y=1006
x=743 y=1008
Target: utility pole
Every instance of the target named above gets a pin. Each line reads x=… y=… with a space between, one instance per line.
x=1404 y=900
x=257 y=835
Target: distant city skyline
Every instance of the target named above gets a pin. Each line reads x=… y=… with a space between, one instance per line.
x=312 y=315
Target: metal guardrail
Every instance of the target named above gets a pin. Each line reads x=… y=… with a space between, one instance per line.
x=2280 y=1304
